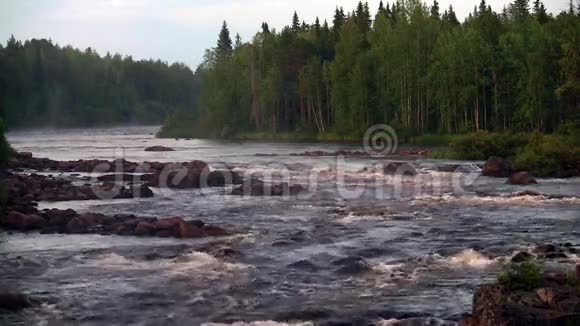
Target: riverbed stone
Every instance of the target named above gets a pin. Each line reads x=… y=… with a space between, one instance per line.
x=522 y=179
x=14 y=301
x=159 y=149
x=497 y=167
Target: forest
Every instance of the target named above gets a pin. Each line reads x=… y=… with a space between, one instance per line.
x=43 y=84
x=408 y=64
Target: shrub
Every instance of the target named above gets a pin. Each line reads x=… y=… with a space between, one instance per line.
x=5 y=149
x=432 y=140
x=546 y=155
x=571 y=279
x=483 y=145
x=522 y=276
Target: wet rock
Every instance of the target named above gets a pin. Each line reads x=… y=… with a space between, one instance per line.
x=308 y=314
x=189 y=230
x=261 y=189
x=221 y=178
x=521 y=257
x=14 y=301
x=497 y=167
x=351 y=265
x=58 y=217
x=77 y=226
x=304 y=265
x=179 y=176
x=399 y=168
x=449 y=168
x=168 y=223
x=555 y=303
x=159 y=149
x=556 y=255
x=145 y=229
x=546 y=249
x=23 y=222
x=521 y=178
x=214 y=231
x=122 y=177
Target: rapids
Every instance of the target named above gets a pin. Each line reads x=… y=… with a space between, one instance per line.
x=357 y=247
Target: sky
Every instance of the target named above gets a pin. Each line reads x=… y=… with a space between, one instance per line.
x=173 y=30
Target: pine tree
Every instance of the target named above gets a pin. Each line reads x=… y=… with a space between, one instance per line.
x=435 y=10
x=265 y=28
x=362 y=17
x=482 y=7
x=540 y=12
x=238 y=43
x=295 y=22
x=224 y=44
x=338 y=20
x=520 y=9
x=450 y=17
x=317 y=29
x=388 y=12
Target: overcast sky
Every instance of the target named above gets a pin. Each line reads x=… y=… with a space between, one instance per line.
x=172 y=30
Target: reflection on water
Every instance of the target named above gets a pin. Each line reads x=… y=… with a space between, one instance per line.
x=321 y=257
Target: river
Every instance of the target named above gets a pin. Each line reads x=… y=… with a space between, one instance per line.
x=428 y=240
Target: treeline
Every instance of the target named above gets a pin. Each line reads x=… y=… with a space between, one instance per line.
x=409 y=64
x=43 y=84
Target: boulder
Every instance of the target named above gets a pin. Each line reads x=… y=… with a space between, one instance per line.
x=521 y=257
x=522 y=179
x=145 y=229
x=214 y=231
x=168 y=223
x=497 y=167
x=398 y=168
x=179 y=176
x=14 y=301
x=221 y=178
x=555 y=303
x=546 y=249
x=159 y=149
x=121 y=177
x=351 y=265
x=189 y=230
x=258 y=188
x=23 y=222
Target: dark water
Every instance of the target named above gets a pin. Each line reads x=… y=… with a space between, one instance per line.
x=428 y=243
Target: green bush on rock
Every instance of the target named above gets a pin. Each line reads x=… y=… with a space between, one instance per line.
x=526 y=276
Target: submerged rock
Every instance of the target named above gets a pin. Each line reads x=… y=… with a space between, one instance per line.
x=351 y=265
x=14 y=301
x=261 y=189
x=521 y=257
x=159 y=149
x=497 y=167
x=522 y=178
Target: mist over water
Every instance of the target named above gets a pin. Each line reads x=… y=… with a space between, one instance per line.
x=318 y=258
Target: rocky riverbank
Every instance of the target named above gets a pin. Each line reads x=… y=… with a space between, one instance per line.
x=24 y=191
x=555 y=302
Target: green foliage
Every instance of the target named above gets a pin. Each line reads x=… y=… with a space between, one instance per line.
x=433 y=140
x=572 y=280
x=547 y=155
x=483 y=145
x=525 y=276
x=44 y=84
x=5 y=149
x=421 y=71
